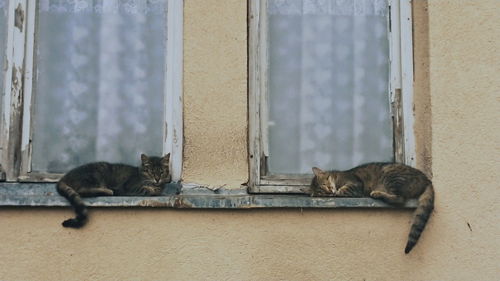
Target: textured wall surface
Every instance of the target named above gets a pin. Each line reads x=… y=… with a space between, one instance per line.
x=421 y=91
x=459 y=57
x=215 y=93
x=464 y=39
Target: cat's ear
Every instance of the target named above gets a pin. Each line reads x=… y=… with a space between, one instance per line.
x=165 y=160
x=317 y=171
x=144 y=159
x=331 y=180
x=166 y=157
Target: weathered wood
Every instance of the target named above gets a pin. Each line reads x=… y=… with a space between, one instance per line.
x=282 y=189
x=29 y=93
x=3 y=177
x=254 y=88
x=398 y=130
x=407 y=81
x=291 y=182
x=173 y=136
x=11 y=124
x=263 y=67
x=39 y=177
x=287 y=180
x=394 y=47
x=287 y=176
x=401 y=80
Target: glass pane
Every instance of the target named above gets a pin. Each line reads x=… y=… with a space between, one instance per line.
x=328 y=84
x=100 y=82
x=4 y=5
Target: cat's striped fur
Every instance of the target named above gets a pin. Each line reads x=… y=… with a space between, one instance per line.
x=105 y=179
x=392 y=182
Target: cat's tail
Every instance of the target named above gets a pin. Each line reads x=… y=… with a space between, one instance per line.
x=422 y=214
x=76 y=201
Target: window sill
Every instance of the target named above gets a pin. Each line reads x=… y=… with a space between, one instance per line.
x=191 y=197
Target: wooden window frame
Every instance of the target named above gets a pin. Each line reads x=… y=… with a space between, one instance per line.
x=400 y=97
x=16 y=127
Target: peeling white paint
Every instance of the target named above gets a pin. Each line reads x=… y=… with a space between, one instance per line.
x=173 y=88
x=13 y=88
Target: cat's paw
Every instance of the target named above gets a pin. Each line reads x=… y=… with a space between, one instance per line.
x=322 y=193
x=74 y=223
x=376 y=194
x=151 y=190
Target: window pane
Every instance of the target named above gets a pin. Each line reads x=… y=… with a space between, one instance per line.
x=4 y=4
x=328 y=84
x=100 y=72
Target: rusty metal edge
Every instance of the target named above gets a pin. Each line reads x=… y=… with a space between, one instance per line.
x=44 y=195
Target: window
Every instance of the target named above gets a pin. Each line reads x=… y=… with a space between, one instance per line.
x=89 y=81
x=330 y=86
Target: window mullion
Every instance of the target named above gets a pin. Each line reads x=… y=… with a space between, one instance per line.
x=264 y=89
x=13 y=88
x=401 y=81
x=395 y=79
x=173 y=136
x=407 y=80
x=28 y=84
x=254 y=92
x=394 y=47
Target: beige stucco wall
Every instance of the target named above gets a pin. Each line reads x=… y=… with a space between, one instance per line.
x=215 y=93
x=457 y=60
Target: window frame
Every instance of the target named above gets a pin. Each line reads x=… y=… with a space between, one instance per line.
x=400 y=97
x=16 y=126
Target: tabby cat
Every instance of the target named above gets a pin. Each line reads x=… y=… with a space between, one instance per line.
x=105 y=179
x=391 y=182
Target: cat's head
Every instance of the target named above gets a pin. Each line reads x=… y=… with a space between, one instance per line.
x=323 y=181
x=156 y=170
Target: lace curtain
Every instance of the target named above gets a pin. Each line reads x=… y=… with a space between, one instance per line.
x=328 y=84
x=100 y=74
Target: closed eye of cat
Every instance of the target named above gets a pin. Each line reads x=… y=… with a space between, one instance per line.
x=326 y=188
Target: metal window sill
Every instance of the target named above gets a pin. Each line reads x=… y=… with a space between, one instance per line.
x=191 y=197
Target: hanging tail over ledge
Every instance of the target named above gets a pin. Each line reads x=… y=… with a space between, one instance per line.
x=76 y=201
x=422 y=213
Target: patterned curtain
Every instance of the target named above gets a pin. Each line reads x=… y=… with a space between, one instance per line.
x=99 y=89
x=328 y=84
